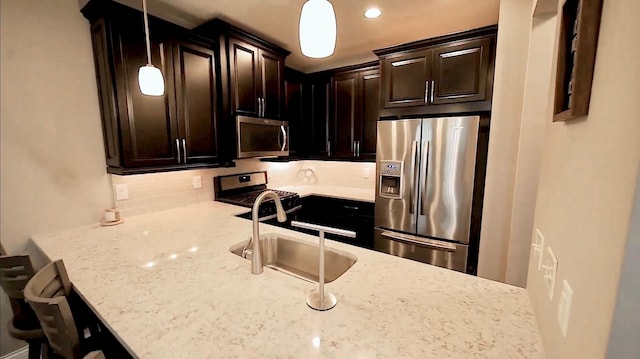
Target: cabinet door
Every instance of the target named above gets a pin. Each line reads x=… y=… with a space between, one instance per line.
x=460 y=72
x=272 y=80
x=345 y=112
x=369 y=95
x=245 y=77
x=196 y=96
x=293 y=107
x=319 y=89
x=148 y=123
x=405 y=80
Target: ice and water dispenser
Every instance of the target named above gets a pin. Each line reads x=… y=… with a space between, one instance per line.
x=391 y=180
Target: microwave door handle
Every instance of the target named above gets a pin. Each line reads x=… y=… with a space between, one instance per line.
x=284 y=138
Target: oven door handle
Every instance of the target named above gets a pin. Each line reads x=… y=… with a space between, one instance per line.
x=425 y=242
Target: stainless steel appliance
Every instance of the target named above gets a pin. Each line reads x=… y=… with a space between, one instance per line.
x=424 y=192
x=261 y=137
x=243 y=189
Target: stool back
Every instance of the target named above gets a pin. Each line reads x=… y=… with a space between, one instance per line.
x=47 y=294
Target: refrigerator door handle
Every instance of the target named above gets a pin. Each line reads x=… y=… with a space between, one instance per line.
x=413 y=194
x=426 y=242
x=425 y=173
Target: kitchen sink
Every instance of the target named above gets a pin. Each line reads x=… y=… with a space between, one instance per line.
x=298 y=258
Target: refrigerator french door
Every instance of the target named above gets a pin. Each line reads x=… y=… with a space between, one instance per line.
x=424 y=189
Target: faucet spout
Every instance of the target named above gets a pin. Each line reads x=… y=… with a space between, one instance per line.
x=256 y=255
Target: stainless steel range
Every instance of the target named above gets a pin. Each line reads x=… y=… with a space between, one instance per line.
x=243 y=189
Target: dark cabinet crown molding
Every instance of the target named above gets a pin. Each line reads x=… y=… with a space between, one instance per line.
x=219 y=26
x=416 y=45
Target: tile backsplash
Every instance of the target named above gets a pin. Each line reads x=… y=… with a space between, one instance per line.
x=159 y=191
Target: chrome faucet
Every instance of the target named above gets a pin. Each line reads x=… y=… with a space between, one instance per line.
x=256 y=255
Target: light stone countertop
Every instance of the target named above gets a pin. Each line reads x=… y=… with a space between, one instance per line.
x=360 y=194
x=168 y=286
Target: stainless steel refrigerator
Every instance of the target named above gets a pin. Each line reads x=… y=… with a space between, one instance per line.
x=424 y=191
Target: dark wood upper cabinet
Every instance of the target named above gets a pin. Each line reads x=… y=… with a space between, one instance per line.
x=257 y=80
x=318 y=93
x=152 y=133
x=293 y=110
x=444 y=75
x=272 y=83
x=346 y=117
x=460 y=71
x=196 y=94
x=370 y=93
x=353 y=111
x=406 y=78
x=245 y=77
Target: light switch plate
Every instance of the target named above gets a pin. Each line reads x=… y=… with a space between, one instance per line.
x=197 y=182
x=122 y=192
x=550 y=267
x=366 y=173
x=564 y=307
x=537 y=247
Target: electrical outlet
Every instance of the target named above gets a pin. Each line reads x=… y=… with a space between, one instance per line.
x=366 y=173
x=197 y=182
x=564 y=307
x=538 y=246
x=122 y=192
x=550 y=268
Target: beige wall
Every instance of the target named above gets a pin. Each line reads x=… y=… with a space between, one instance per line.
x=585 y=195
x=52 y=158
x=511 y=63
x=534 y=112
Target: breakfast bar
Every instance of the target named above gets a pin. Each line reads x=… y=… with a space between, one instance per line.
x=167 y=285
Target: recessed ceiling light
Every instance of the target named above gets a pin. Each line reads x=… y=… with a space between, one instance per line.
x=372 y=13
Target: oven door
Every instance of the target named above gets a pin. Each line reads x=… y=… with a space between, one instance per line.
x=443 y=254
x=261 y=137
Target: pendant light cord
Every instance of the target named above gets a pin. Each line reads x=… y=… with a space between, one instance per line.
x=146 y=31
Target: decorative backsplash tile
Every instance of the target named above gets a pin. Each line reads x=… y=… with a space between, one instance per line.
x=159 y=191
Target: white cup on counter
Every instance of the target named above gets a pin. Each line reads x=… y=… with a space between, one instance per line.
x=111 y=215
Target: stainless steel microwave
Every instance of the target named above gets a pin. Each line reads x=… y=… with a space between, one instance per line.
x=261 y=137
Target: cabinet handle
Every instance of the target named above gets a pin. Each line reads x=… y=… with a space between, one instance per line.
x=358 y=148
x=259 y=107
x=433 y=89
x=264 y=106
x=329 y=148
x=184 y=150
x=178 y=148
x=353 y=148
x=426 y=92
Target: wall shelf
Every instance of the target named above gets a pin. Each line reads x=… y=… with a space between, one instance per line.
x=579 y=29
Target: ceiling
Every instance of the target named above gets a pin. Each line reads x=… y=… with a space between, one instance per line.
x=277 y=21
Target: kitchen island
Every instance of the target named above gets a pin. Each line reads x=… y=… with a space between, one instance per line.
x=166 y=284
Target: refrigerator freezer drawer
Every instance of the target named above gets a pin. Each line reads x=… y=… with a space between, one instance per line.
x=426 y=250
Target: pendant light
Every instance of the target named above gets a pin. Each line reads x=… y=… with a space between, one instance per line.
x=317 y=29
x=150 y=78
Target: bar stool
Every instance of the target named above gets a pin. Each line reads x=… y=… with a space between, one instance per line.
x=15 y=273
x=47 y=293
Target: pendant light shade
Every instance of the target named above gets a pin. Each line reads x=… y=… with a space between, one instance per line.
x=150 y=78
x=317 y=29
